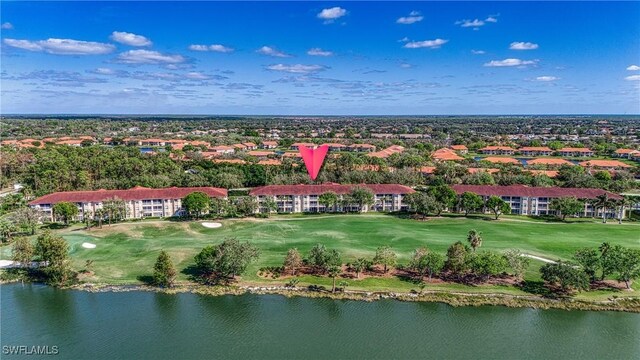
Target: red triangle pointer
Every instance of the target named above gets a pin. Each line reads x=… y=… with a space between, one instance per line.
x=313 y=159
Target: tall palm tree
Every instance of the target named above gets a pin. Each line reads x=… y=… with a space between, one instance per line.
x=474 y=238
x=603 y=201
x=626 y=201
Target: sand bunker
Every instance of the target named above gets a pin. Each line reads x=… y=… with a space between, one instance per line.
x=211 y=225
x=88 y=245
x=6 y=263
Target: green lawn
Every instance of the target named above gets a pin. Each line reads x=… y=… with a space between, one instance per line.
x=128 y=250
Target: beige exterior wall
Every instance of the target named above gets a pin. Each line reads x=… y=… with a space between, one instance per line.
x=135 y=209
x=309 y=203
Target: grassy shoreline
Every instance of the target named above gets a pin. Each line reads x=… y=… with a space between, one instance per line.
x=455 y=299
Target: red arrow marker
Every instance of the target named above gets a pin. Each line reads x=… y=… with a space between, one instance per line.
x=313 y=159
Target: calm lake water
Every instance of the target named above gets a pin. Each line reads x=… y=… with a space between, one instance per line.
x=145 y=325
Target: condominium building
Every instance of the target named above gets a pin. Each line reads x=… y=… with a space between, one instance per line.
x=535 y=151
x=140 y=202
x=525 y=200
x=575 y=152
x=304 y=198
x=497 y=150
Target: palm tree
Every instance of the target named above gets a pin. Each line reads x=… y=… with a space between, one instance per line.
x=623 y=203
x=334 y=271
x=603 y=201
x=474 y=238
x=99 y=215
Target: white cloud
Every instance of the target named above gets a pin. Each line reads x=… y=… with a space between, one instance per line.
x=470 y=23
x=433 y=44
x=509 y=62
x=7 y=26
x=406 y=66
x=319 y=52
x=477 y=52
x=297 y=68
x=331 y=14
x=547 y=78
x=214 y=47
x=197 y=76
x=633 y=78
x=404 y=39
x=198 y=48
x=521 y=45
x=413 y=17
x=633 y=68
x=62 y=46
x=104 y=71
x=220 y=48
x=149 y=57
x=130 y=39
x=270 y=51
x=491 y=19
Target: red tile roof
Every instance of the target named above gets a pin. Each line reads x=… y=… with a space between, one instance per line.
x=136 y=193
x=446 y=154
x=270 y=162
x=492 y=147
x=303 y=189
x=548 y=161
x=385 y=153
x=459 y=147
x=626 y=151
x=549 y=173
x=526 y=191
x=500 y=160
x=428 y=169
x=260 y=153
x=605 y=164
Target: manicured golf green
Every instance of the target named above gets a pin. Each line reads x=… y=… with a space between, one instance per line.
x=126 y=251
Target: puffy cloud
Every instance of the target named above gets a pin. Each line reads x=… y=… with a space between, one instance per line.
x=470 y=23
x=319 y=52
x=510 y=62
x=130 y=39
x=633 y=68
x=432 y=44
x=413 y=17
x=477 y=52
x=148 y=57
x=523 y=46
x=491 y=19
x=62 y=46
x=633 y=78
x=270 y=51
x=547 y=78
x=6 y=26
x=197 y=76
x=215 y=48
x=104 y=71
x=331 y=14
x=297 y=68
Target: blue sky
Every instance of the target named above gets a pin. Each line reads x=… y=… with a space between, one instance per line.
x=324 y=58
